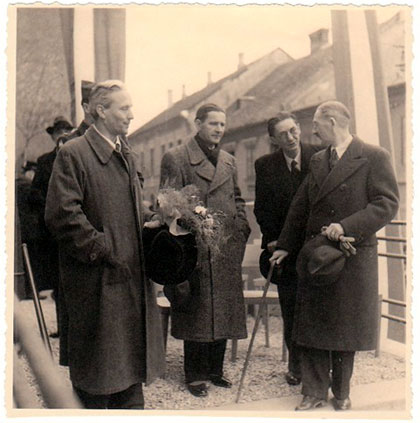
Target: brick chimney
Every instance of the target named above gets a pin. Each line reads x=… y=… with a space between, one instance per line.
x=319 y=39
x=241 y=62
x=170 y=100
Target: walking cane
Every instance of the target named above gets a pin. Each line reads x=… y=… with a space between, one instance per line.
x=254 y=332
x=37 y=303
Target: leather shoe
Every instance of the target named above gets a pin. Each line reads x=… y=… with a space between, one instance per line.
x=342 y=405
x=309 y=403
x=291 y=379
x=221 y=381
x=199 y=390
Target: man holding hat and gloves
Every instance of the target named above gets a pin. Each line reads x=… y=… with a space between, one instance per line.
x=349 y=194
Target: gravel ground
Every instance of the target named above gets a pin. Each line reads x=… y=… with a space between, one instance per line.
x=264 y=378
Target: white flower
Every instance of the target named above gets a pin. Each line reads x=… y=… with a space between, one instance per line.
x=200 y=210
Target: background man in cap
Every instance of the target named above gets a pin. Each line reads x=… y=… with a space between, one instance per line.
x=45 y=255
x=110 y=329
x=217 y=310
x=278 y=176
x=88 y=119
x=350 y=191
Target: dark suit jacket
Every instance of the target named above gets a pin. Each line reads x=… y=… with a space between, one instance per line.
x=274 y=191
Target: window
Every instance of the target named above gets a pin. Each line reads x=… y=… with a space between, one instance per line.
x=250 y=158
x=171 y=144
x=179 y=142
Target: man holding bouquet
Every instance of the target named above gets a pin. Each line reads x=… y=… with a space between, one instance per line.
x=215 y=310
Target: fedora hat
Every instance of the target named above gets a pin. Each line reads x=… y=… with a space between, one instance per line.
x=60 y=122
x=265 y=267
x=320 y=261
x=170 y=259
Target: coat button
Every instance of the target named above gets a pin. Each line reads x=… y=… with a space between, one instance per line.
x=332 y=212
x=93 y=256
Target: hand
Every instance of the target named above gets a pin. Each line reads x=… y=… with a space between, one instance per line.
x=333 y=232
x=155 y=222
x=278 y=256
x=271 y=246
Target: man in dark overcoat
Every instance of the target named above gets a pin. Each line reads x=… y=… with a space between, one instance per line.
x=217 y=311
x=45 y=254
x=110 y=330
x=350 y=191
x=278 y=176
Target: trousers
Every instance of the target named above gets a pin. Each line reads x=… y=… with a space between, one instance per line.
x=316 y=365
x=203 y=359
x=130 y=398
x=287 y=299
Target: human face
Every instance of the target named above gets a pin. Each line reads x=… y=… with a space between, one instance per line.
x=59 y=134
x=117 y=117
x=287 y=136
x=213 y=127
x=322 y=127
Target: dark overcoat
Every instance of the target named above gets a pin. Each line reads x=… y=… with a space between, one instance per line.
x=274 y=192
x=361 y=194
x=110 y=332
x=217 y=310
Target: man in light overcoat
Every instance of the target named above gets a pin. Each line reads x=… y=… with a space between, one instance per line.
x=350 y=191
x=110 y=331
x=216 y=312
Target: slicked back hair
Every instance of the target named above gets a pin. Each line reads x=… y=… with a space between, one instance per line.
x=205 y=109
x=336 y=110
x=100 y=95
x=278 y=118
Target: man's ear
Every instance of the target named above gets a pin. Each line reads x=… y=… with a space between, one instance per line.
x=333 y=121
x=100 y=110
x=198 y=124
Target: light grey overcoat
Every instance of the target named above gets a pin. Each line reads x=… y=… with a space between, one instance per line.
x=217 y=310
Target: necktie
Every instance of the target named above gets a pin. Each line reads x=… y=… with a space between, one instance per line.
x=333 y=158
x=294 y=170
x=118 y=147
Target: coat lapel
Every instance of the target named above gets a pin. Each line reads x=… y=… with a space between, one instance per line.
x=101 y=148
x=199 y=161
x=348 y=164
x=224 y=170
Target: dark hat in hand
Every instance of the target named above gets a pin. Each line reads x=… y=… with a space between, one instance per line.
x=60 y=122
x=265 y=267
x=320 y=261
x=170 y=259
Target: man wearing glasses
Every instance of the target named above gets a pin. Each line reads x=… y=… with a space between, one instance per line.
x=278 y=176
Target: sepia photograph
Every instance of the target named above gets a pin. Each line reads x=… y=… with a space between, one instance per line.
x=209 y=211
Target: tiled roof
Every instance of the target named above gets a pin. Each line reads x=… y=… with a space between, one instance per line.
x=309 y=81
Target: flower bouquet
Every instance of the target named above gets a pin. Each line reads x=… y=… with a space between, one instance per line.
x=183 y=213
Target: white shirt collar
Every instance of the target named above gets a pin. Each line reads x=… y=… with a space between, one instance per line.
x=341 y=149
x=109 y=141
x=297 y=159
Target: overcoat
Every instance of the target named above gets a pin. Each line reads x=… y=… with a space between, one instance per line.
x=274 y=192
x=361 y=194
x=110 y=331
x=217 y=309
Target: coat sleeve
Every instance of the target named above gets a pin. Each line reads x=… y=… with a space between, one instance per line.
x=170 y=172
x=383 y=199
x=64 y=214
x=263 y=207
x=292 y=234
